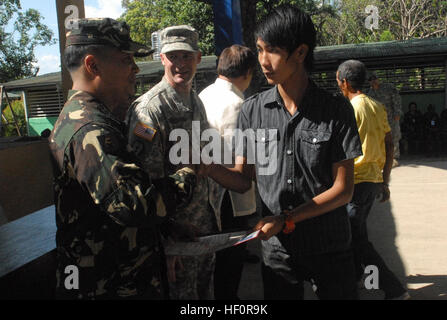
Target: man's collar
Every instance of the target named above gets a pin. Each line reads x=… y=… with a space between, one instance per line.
x=229 y=85
x=360 y=95
x=176 y=96
x=88 y=97
x=274 y=99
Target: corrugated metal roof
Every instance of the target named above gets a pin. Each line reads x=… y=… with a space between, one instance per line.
x=146 y=69
x=44 y=80
x=383 y=49
x=429 y=51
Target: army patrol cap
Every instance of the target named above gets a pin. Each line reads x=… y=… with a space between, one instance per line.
x=179 y=38
x=105 y=31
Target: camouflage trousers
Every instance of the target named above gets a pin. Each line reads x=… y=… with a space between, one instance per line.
x=195 y=280
x=395 y=131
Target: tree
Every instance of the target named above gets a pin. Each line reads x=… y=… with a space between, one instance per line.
x=415 y=18
x=348 y=24
x=19 y=39
x=147 y=16
x=252 y=11
x=397 y=20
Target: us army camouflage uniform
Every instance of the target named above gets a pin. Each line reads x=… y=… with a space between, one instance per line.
x=105 y=210
x=389 y=96
x=162 y=110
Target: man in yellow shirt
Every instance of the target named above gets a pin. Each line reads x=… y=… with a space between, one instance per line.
x=371 y=173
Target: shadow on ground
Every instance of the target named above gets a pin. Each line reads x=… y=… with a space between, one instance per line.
x=427 y=287
x=415 y=161
x=382 y=234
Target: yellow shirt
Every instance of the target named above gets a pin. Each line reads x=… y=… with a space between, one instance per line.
x=372 y=123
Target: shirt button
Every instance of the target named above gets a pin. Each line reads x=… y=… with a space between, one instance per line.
x=314 y=140
x=289 y=181
x=289 y=152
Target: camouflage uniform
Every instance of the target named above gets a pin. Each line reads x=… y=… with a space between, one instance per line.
x=161 y=110
x=389 y=96
x=105 y=210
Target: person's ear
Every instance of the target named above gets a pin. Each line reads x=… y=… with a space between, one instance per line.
x=301 y=52
x=199 y=57
x=162 y=58
x=347 y=85
x=91 y=65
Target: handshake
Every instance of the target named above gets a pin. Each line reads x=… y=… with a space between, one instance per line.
x=177 y=189
x=176 y=192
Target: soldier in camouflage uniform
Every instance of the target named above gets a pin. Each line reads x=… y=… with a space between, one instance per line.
x=108 y=212
x=389 y=96
x=173 y=104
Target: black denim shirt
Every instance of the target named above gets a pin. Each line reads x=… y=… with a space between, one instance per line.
x=322 y=132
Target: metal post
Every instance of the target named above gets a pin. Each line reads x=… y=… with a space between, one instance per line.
x=67 y=10
x=25 y=107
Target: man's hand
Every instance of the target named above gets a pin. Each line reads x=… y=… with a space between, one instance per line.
x=182 y=183
x=384 y=193
x=270 y=226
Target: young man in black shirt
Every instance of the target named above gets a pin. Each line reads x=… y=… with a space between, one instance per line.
x=307 y=180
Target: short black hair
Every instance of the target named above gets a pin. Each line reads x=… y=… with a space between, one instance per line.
x=236 y=61
x=73 y=55
x=288 y=27
x=354 y=72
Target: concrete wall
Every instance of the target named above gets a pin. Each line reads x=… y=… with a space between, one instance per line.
x=25 y=178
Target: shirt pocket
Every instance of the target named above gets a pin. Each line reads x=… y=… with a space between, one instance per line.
x=314 y=146
x=266 y=150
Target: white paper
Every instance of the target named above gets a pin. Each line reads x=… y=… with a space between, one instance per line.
x=208 y=244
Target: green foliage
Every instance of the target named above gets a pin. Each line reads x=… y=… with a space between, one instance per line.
x=147 y=16
x=398 y=20
x=337 y=22
x=386 y=35
x=316 y=9
x=320 y=11
x=17 y=45
x=19 y=111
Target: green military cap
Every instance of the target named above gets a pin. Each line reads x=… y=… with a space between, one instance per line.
x=105 y=31
x=179 y=38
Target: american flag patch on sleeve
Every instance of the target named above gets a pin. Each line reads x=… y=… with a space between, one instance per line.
x=144 y=131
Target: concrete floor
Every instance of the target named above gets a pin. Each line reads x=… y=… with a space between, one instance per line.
x=410 y=232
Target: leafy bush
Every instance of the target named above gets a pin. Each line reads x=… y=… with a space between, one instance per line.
x=19 y=111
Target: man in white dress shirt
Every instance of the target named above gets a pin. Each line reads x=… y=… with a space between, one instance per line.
x=223 y=101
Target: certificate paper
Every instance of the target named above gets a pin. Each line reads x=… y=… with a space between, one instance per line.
x=208 y=244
